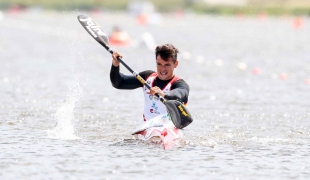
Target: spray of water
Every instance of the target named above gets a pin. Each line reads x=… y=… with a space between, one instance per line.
x=64 y=128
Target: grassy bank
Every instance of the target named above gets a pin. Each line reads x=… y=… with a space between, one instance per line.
x=66 y=4
x=253 y=7
x=248 y=10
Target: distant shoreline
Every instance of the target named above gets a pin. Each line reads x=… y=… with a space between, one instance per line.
x=168 y=7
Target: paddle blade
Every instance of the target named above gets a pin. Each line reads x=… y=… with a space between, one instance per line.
x=94 y=30
x=178 y=113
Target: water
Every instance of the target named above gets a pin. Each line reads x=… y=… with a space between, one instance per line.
x=60 y=117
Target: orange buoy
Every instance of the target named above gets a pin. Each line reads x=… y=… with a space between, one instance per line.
x=298 y=23
x=142 y=19
x=256 y=71
x=283 y=76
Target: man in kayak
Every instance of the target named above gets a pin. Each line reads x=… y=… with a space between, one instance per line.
x=162 y=82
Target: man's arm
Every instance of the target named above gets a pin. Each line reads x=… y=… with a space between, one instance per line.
x=121 y=81
x=179 y=91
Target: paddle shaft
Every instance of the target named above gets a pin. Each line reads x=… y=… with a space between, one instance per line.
x=96 y=32
x=135 y=74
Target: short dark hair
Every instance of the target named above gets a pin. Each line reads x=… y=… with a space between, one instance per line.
x=167 y=51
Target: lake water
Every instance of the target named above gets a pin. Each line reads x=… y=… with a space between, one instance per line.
x=60 y=118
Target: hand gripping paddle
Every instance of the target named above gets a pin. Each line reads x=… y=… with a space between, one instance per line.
x=177 y=111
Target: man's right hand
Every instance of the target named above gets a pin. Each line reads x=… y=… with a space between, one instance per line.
x=115 y=62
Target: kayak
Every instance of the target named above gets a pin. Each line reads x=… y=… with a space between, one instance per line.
x=159 y=130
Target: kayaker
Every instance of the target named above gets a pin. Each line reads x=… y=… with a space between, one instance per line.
x=163 y=81
x=119 y=37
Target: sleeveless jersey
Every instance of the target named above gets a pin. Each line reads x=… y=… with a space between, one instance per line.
x=153 y=106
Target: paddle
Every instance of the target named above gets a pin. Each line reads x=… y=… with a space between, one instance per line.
x=177 y=111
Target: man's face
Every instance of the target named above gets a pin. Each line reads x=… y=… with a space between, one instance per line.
x=165 y=68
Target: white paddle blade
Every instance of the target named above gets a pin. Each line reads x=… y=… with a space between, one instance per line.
x=94 y=30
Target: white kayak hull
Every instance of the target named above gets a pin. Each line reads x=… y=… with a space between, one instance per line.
x=159 y=130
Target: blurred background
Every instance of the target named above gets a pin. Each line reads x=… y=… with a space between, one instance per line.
x=222 y=7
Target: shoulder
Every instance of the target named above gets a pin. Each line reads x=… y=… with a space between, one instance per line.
x=180 y=83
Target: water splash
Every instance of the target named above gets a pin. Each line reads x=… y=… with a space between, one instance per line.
x=64 y=128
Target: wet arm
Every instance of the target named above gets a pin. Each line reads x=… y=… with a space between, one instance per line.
x=179 y=91
x=121 y=81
